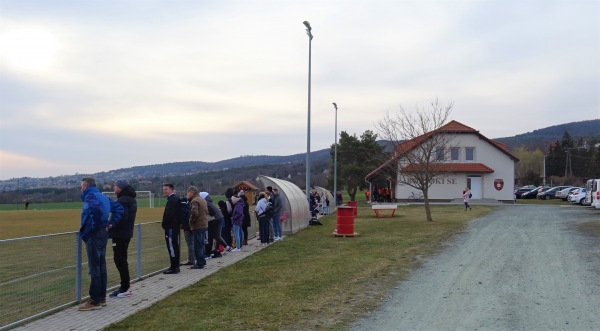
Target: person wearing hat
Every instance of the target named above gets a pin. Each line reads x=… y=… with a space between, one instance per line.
x=121 y=234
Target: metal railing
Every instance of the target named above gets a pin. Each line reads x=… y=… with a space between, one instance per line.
x=42 y=274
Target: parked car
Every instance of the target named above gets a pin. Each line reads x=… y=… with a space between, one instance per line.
x=518 y=192
x=564 y=193
x=578 y=196
x=549 y=193
x=532 y=194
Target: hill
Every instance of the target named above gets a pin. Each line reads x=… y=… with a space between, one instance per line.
x=541 y=138
x=216 y=174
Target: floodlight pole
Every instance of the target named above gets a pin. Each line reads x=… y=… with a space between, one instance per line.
x=310 y=37
x=335 y=160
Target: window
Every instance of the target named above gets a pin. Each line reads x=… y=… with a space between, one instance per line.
x=454 y=153
x=469 y=153
x=439 y=154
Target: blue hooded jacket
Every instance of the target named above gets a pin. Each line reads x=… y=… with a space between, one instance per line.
x=96 y=210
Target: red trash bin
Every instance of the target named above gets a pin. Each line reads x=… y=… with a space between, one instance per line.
x=353 y=205
x=345 y=220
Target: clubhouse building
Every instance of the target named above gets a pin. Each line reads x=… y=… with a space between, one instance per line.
x=471 y=160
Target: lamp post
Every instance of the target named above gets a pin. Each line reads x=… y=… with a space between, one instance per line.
x=335 y=160
x=310 y=37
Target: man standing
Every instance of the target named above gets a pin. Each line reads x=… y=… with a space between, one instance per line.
x=277 y=210
x=94 y=220
x=171 y=225
x=198 y=225
x=121 y=234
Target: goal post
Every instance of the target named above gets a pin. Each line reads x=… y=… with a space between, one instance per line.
x=144 y=198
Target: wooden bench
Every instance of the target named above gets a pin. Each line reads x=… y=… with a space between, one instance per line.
x=378 y=209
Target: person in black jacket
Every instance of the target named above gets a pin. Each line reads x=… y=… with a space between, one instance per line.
x=121 y=234
x=247 y=220
x=172 y=226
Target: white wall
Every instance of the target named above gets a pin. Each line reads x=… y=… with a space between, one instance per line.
x=450 y=185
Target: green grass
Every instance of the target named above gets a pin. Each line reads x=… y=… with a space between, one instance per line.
x=311 y=280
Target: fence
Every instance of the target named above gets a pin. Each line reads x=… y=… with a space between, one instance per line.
x=40 y=275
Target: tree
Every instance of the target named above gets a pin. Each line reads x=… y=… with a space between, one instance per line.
x=355 y=159
x=419 y=147
x=529 y=170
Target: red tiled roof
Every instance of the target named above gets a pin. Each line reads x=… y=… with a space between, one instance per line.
x=451 y=127
x=453 y=167
x=247 y=184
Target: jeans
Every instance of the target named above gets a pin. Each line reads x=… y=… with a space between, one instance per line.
x=263 y=225
x=239 y=237
x=189 y=240
x=120 y=246
x=200 y=237
x=96 y=253
x=277 y=226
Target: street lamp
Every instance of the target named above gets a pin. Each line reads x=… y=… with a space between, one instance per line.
x=310 y=37
x=335 y=160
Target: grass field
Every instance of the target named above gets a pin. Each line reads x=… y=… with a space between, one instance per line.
x=310 y=280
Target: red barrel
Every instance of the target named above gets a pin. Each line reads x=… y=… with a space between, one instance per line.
x=353 y=205
x=345 y=220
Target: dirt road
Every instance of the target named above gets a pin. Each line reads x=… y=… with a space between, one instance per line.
x=519 y=268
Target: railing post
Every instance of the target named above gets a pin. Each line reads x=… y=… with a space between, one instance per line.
x=139 y=252
x=78 y=250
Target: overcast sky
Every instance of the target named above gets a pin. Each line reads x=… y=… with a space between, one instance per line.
x=89 y=86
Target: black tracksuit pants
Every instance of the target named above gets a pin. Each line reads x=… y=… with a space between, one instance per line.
x=120 y=246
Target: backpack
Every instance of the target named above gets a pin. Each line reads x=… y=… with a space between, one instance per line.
x=184 y=213
x=269 y=210
x=470 y=195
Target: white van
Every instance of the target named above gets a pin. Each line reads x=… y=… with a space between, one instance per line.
x=588 y=193
x=595 y=194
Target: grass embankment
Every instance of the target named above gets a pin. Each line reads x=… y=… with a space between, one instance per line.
x=311 y=280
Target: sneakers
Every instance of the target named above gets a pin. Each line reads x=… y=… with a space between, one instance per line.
x=278 y=239
x=228 y=249
x=90 y=305
x=236 y=250
x=121 y=294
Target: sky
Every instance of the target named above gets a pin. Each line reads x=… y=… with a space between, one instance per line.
x=91 y=86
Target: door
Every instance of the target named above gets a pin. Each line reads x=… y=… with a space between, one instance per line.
x=475 y=184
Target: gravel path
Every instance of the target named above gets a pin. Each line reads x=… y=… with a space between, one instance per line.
x=519 y=268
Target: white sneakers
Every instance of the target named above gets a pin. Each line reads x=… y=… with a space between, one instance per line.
x=278 y=239
x=236 y=250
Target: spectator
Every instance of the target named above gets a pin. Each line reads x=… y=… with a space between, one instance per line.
x=95 y=213
x=247 y=220
x=198 y=225
x=277 y=210
x=171 y=225
x=270 y=196
x=226 y=229
x=121 y=234
x=263 y=221
x=214 y=226
x=237 y=219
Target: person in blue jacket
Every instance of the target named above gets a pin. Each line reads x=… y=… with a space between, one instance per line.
x=97 y=208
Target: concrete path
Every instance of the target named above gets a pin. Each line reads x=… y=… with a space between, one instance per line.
x=145 y=293
x=518 y=268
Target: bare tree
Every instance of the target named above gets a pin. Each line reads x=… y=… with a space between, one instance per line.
x=418 y=147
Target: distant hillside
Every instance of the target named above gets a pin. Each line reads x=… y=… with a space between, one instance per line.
x=541 y=138
x=247 y=167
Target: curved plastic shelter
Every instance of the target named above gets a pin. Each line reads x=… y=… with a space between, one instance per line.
x=323 y=193
x=295 y=207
